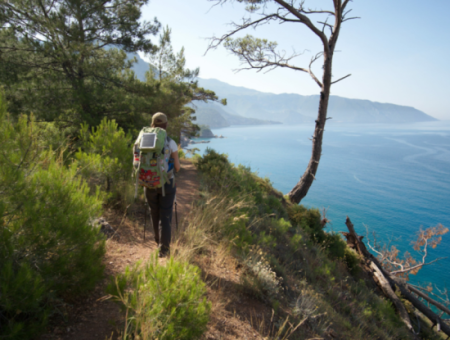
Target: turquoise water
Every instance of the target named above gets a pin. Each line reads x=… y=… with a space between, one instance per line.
x=390 y=179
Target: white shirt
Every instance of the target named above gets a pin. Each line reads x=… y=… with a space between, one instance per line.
x=173 y=146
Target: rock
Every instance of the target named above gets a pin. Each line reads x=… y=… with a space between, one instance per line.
x=104 y=226
x=206 y=133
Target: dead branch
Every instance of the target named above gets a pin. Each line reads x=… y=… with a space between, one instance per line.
x=410 y=269
x=429 y=237
x=444 y=292
x=428 y=299
x=304 y=20
x=434 y=318
x=354 y=241
x=334 y=82
x=387 y=290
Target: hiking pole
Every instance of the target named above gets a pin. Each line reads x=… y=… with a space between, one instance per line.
x=145 y=210
x=176 y=215
x=145 y=215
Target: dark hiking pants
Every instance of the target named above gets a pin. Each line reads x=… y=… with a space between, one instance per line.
x=161 y=210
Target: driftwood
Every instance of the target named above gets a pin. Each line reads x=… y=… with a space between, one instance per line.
x=389 y=283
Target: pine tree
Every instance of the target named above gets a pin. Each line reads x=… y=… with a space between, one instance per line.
x=58 y=67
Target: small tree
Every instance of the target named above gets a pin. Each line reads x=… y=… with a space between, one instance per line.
x=261 y=54
x=176 y=86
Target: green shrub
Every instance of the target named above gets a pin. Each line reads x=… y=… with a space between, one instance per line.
x=163 y=302
x=48 y=251
x=105 y=158
x=352 y=259
x=215 y=166
x=308 y=220
x=181 y=154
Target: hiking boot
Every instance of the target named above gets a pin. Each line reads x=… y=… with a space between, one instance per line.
x=163 y=252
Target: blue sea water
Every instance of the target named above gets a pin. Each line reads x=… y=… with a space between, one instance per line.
x=389 y=179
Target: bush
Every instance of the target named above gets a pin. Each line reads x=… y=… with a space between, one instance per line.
x=163 y=302
x=215 y=166
x=47 y=249
x=105 y=158
x=259 y=278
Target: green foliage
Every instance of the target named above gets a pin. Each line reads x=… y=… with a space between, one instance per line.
x=215 y=166
x=176 y=86
x=105 y=156
x=163 y=302
x=181 y=154
x=47 y=248
x=308 y=220
x=250 y=48
x=285 y=252
x=68 y=76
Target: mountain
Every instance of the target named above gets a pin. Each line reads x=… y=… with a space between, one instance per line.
x=210 y=116
x=250 y=107
x=298 y=109
x=215 y=116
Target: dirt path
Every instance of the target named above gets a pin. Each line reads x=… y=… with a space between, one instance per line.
x=97 y=318
x=235 y=315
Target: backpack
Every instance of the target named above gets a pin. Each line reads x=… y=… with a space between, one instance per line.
x=151 y=159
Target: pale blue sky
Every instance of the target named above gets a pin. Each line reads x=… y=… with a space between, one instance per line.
x=397 y=52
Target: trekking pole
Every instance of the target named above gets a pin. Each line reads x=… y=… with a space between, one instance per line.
x=145 y=210
x=145 y=216
x=176 y=215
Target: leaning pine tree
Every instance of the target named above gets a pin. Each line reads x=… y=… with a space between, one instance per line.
x=262 y=54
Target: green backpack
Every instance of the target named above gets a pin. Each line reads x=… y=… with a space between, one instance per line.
x=151 y=158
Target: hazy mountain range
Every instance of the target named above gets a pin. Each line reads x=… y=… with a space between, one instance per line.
x=250 y=107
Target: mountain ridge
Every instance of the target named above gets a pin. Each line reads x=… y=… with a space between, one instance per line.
x=291 y=108
x=251 y=107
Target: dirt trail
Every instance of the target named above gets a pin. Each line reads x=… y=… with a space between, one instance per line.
x=93 y=317
x=235 y=315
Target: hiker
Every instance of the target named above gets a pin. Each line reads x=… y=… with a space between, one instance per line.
x=161 y=197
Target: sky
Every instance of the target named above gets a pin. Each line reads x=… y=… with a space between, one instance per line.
x=397 y=52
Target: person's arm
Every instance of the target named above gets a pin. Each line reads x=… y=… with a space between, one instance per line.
x=176 y=161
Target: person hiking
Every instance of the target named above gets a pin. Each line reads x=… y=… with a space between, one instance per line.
x=161 y=200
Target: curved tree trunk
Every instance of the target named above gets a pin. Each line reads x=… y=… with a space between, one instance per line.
x=301 y=188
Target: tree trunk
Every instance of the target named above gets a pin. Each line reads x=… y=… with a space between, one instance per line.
x=354 y=241
x=387 y=290
x=301 y=188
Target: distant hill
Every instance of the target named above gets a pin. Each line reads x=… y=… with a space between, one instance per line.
x=250 y=107
x=215 y=116
x=298 y=109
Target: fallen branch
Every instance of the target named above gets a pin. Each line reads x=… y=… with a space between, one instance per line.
x=434 y=318
x=427 y=298
x=354 y=241
x=388 y=291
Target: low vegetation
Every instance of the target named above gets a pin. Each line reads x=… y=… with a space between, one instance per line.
x=48 y=251
x=162 y=302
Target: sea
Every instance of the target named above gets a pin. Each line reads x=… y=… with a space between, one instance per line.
x=390 y=180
